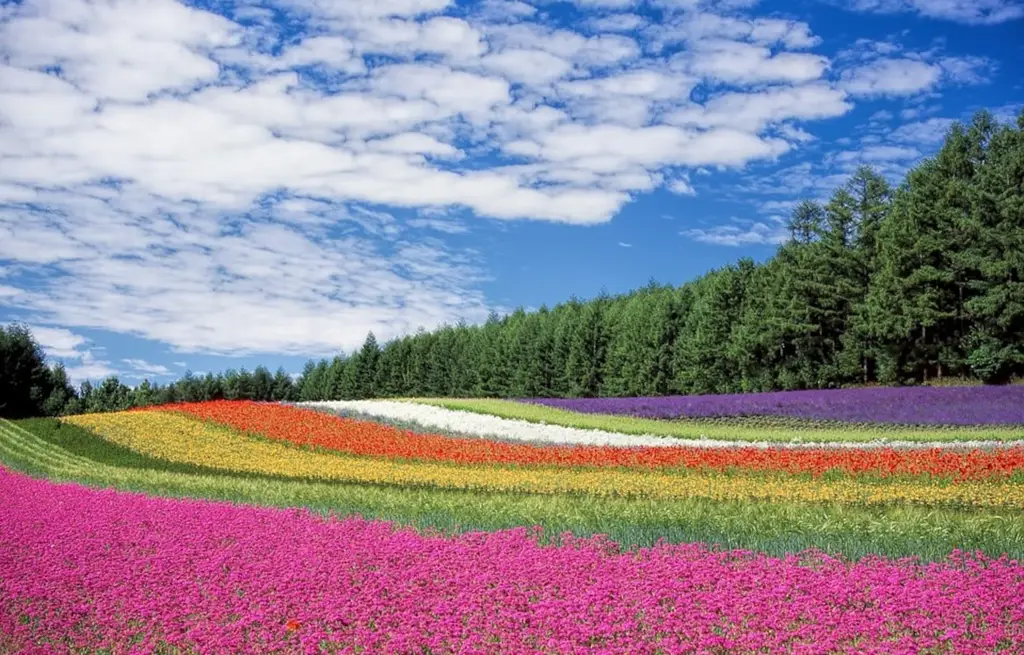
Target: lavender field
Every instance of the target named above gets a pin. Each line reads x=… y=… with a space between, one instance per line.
x=988 y=405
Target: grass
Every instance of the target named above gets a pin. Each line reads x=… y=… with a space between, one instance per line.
x=39 y=449
x=740 y=431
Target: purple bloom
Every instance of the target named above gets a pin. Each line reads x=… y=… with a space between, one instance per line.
x=904 y=405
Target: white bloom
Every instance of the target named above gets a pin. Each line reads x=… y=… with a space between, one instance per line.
x=473 y=424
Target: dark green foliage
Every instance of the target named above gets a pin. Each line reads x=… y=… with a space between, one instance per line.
x=26 y=384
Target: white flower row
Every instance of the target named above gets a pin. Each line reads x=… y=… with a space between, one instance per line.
x=472 y=424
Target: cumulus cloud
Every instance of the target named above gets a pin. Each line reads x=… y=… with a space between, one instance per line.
x=747 y=233
x=912 y=73
x=58 y=342
x=892 y=77
x=90 y=368
x=928 y=132
x=980 y=12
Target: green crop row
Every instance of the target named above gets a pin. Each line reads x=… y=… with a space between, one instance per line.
x=740 y=431
x=70 y=454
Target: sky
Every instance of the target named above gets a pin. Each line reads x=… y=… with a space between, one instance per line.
x=210 y=185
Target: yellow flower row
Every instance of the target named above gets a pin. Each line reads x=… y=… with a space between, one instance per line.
x=175 y=437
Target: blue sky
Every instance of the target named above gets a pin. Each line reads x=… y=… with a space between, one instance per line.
x=205 y=185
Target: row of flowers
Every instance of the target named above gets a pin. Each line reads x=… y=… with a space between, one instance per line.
x=302 y=426
x=138 y=574
x=187 y=439
x=979 y=405
x=726 y=431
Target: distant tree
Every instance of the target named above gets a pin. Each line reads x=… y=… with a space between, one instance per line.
x=25 y=383
x=62 y=398
x=366 y=368
x=587 y=350
x=262 y=384
x=143 y=395
x=283 y=387
x=110 y=396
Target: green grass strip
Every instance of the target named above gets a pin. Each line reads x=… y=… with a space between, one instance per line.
x=776 y=528
x=697 y=429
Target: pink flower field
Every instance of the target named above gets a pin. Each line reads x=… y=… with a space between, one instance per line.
x=83 y=570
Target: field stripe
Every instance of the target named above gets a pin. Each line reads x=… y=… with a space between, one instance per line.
x=175 y=437
x=27 y=445
x=433 y=415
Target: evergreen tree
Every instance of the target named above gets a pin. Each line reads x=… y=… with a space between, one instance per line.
x=143 y=395
x=366 y=368
x=587 y=350
x=61 y=399
x=25 y=383
x=994 y=256
x=283 y=387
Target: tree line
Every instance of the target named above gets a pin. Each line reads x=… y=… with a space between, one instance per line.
x=891 y=285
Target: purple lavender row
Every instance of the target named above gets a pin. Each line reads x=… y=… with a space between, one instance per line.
x=990 y=405
x=84 y=570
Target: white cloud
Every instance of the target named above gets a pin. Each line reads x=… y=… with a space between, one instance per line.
x=503 y=10
x=443 y=35
x=681 y=186
x=439 y=225
x=616 y=23
x=91 y=369
x=180 y=364
x=891 y=77
x=755 y=110
x=793 y=133
x=613 y=4
x=909 y=74
x=747 y=234
x=967 y=70
x=58 y=342
x=348 y=9
x=333 y=51
x=927 y=132
x=735 y=61
x=120 y=51
x=140 y=367
x=877 y=154
x=982 y=12
x=695 y=26
x=528 y=66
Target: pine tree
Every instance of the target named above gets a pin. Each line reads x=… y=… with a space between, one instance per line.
x=587 y=350
x=994 y=256
x=366 y=368
x=24 y=378
x=283 y=387
x=62 y=395
x=262 y=384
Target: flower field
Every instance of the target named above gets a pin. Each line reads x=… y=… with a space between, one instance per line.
x=473 y=526
x=159 y=573
x=906 y=405
x=737 y=428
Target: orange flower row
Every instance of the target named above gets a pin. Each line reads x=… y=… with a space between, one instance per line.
x=312 y=428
